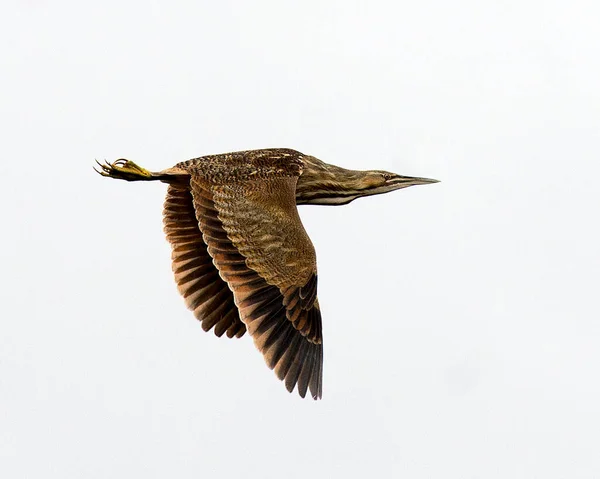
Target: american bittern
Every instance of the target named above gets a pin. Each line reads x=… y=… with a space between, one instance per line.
x=241 y=257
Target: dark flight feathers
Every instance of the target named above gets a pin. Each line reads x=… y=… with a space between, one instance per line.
x=242 y=260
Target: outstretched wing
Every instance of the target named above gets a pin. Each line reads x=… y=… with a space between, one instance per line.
x=257 y=241
x=198 y=281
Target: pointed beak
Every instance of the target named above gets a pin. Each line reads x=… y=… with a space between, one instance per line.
x=404 y=181
x=424 y=181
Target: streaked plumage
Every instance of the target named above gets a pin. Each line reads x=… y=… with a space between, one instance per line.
x=241 y=257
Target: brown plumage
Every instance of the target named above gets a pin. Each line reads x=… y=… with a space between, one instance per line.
x=241 y=257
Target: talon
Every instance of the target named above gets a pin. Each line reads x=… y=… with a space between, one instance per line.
x=102 y=170
x=123 y=169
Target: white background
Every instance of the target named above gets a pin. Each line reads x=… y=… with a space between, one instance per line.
x=461 y=319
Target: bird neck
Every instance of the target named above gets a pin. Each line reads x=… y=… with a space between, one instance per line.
x=323 y=184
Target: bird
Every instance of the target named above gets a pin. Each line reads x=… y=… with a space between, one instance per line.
x=241 y=257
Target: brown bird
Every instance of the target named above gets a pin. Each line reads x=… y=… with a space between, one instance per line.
x=241 y=257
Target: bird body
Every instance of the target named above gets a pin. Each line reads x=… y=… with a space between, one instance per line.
x=241 y=257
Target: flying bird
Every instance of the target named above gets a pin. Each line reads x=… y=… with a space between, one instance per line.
x=241 y=257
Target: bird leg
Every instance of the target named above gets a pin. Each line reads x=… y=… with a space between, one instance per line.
x=123 y=169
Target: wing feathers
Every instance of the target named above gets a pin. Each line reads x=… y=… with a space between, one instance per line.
x=295 y=358
x=198 y=281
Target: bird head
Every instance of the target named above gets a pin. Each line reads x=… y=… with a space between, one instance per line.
x=324 y=184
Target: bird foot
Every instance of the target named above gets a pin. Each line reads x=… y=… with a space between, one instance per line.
x=123 y=169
